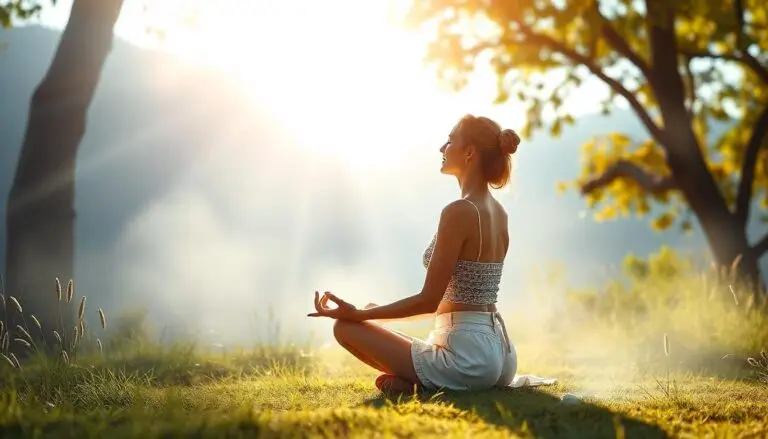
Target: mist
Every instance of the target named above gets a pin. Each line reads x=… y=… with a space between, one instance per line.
x=198 y=204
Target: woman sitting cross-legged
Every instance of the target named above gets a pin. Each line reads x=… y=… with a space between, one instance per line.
x=469 y=348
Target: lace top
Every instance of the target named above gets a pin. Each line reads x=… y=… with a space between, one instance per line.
x=472 y=282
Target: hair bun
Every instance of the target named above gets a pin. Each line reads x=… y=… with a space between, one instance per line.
x=508 y=141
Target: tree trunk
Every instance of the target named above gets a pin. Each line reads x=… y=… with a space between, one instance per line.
x=725 y=233
x=40 y=213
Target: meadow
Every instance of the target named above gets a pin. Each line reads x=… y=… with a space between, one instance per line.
x=667 y=350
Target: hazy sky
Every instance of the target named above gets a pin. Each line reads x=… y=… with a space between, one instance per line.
x=294 y=55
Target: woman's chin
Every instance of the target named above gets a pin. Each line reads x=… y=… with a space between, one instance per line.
x=444 y=170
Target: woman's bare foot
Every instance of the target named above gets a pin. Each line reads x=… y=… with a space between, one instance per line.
x=391 y=384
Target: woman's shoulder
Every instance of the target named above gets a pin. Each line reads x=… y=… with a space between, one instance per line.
x=458 y=212
x=459 y=207
x=500 y=210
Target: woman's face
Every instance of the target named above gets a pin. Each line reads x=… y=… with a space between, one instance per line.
x=455 y=154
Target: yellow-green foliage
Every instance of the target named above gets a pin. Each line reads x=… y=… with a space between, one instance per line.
x=13 y=11
x=577 y=42
x=712 y=324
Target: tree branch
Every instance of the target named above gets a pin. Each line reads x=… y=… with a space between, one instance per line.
x=620 y=44
x=738 y=10
x=760 y=247
x=654 y=184
x=745 y=58
x=742 y=55
x=691 y=83
x=756 y=140
x=578 y=58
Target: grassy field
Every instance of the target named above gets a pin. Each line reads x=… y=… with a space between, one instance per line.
x=280 y=393
x=660 y=354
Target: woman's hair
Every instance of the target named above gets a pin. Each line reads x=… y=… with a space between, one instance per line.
x=494 y=145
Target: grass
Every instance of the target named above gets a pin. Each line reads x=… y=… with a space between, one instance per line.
x=101 y=399
x=662 y=354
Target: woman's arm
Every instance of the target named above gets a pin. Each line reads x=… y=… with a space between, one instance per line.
x=407 y=319
x=451 y=233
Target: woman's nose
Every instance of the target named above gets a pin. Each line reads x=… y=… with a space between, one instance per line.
x=442 y=148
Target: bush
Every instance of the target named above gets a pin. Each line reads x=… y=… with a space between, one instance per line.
x=712 y=323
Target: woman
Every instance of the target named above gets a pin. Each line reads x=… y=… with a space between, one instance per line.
x=469 y=348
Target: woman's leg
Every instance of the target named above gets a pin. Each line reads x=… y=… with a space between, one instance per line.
x=339 y=335
x=378 y=347
x=360 y=356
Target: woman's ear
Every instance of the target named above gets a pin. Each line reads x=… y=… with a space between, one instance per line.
x=469 y=153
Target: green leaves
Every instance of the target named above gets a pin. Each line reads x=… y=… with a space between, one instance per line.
x=20 y=10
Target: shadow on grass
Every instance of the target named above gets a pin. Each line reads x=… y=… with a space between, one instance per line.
x=540 y=413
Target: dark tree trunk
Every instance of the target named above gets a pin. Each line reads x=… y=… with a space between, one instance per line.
x=725 y=233
x=40 y=211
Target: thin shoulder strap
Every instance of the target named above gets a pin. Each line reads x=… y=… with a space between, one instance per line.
x=479 y=227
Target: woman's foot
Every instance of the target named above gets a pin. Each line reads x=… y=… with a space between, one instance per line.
x=394 y=385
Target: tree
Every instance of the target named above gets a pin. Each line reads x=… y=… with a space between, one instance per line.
x=40 y=212
x=686 y=68
x=18 y=10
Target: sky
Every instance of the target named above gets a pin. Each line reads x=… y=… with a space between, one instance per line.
x=295 y=56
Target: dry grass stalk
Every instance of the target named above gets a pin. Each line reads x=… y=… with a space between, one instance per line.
x=70 y=290
x=733 y=293
x=16 y=304
x=58 y=290
x=81 y=309
x=5 y=357
x=36 y=322
x=735 y=265
x=102 y=319
x=24 y=332
x=57 y=336
x=15 y=360
x=23 y=342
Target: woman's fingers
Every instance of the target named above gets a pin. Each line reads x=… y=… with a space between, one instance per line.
x=324 y=313
x=324 y=301
x=336 y=300
x=321 y=305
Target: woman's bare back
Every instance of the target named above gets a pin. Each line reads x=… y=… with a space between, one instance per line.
x=491 y=246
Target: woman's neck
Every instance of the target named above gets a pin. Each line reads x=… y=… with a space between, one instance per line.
x=472 y=185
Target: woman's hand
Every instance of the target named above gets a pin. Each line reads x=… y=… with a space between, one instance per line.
x=342 y=311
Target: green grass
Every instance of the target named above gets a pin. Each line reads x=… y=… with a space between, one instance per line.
x=195 y=396
x=606 y=346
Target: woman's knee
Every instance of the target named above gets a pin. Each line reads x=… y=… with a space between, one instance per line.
x=341 y=328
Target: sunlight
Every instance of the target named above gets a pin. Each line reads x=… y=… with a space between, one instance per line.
x=331 y=72
x=341 y=76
